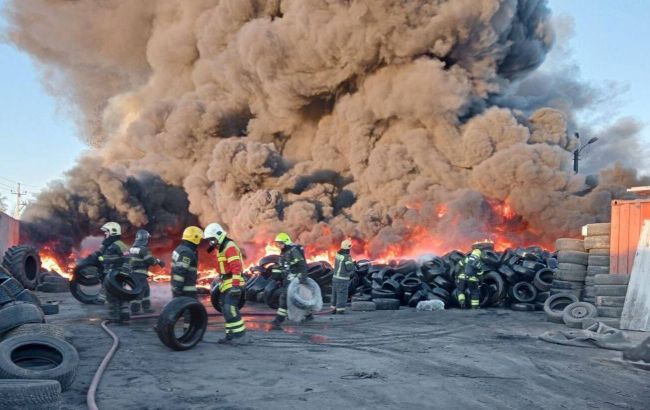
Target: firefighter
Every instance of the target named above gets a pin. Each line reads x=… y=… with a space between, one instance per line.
x=185 y=260
x=343 y=270
x=140 y=259
x=114 y=256
x=469 y=278
x=230 y=265
x=292 y=264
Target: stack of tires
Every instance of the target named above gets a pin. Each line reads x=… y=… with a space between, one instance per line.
x=36 y=362
x=24 y=264
x=597 y=245
x=569 y=277
x=610 y=293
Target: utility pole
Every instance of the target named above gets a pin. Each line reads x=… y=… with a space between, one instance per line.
x=19 y=203
x=576 y=153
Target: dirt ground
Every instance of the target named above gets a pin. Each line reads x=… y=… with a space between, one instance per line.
x=403 y=359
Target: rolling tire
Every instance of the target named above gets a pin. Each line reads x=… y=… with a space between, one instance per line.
x=298 y=301
x=39 y=357
x=115 y=282
x=77 y=291
x=611 y=290
x=387 y=304
x=575 y=313
x=171 y=313
x=567 y=244
x=45 y=329
x=598 y=229
x=24 y=264
x=523 y=307
x=576 y=257
x=607 y=279
x=363 y=306
x=570 y=276
x=16 y=314
x=597 y=242
x=30 y=394
x=555 y=304
x=595 y=260
x=543 y=280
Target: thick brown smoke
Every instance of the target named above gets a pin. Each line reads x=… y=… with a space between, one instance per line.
x=320 y=118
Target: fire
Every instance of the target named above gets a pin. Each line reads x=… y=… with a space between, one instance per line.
x=50 y=263
x=441 y=210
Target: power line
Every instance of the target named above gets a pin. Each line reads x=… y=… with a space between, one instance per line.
x=16 y=182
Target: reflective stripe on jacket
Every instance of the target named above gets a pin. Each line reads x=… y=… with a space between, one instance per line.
x=230 y=265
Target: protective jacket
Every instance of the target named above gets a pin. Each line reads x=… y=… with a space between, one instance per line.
x=230 y=265
x=114 y=254
x=184 y=269
x=292 y=264
x=343 y=265
x=141 y=259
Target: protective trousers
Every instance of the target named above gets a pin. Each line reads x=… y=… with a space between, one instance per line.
x=235 y=326
x=468 y=284
x=339 y=294
x=282 y=306
x=187 y=316
x=143 y=301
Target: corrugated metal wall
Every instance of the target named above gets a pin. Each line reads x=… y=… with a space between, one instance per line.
x=9 y=233
x=627 y=221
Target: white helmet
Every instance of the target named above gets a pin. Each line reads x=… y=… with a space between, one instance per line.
x=214 y=231
x=111 y=229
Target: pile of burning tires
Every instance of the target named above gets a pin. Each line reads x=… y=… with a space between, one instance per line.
x=518 y=278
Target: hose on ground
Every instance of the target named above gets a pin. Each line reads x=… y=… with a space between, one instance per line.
x=90 y=397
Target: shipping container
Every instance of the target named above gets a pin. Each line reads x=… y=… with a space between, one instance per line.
x=627 y=221
x=9 y=233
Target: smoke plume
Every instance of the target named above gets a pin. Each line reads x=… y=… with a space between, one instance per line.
x=320 y=118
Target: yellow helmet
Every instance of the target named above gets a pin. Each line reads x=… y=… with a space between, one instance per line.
x=193 y=234
x=346 y=244
x=284 y=238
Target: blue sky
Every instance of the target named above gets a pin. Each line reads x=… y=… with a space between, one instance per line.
x=39 y=142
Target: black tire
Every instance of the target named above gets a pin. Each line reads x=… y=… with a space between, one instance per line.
x=361 y=298
x=523 y=307
x=442 y=282
x=411 y=285
x=572 y=267
x=606 y=311
x=595 y=260
x=50 y=307
x=598 y=270
x=392 y=285
x=575 y=257
x=509 y=274
x=442 y=294
x=363 y=306
x=39 y=357
x=78 y=292
x=533 y=266
x=24 y=264
x=15 y=314
x=566 y=244
x=555 y=304
x=382 y=294
x=575 y=313
x=11 y=286
x=122 y=286
x=269 y=260
x=387 y=304
x=597 y=242
x=611 y=279
x=610 y=301
x=28 y=296
x=406 y=267
x=45 y=329
x=543 y=279
x=171 y=313
x=523 y=292
x=215 y=299
x=499 y=291
x=611 y=290
x=567 y=285
x=576 y=292
x=51 y=287
x=87 y=275
x=5 y=297
x=30 y=394
x=570 y=276
x=490 y=258
x=600 y=252
x=542 y=296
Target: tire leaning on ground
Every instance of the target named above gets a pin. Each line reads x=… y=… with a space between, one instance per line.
x=45 y=329
x=15 y=314
x=39 y=357
x=122 y=286
x=555 y=304
x=575 y=313
x=30 y=394
x=24 y=264
x=363 y=306
x=172 y=313
x=386 y=304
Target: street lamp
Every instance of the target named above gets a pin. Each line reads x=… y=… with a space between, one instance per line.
x=576 y=153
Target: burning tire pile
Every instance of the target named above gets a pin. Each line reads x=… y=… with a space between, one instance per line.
x=36 y=362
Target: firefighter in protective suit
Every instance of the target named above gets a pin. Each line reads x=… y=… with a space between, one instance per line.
x=114 y=256
x=292 y=264
x=185 y=260
x=343 y=270
x=469 y=278
x=140 y=259
x=230 y=265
